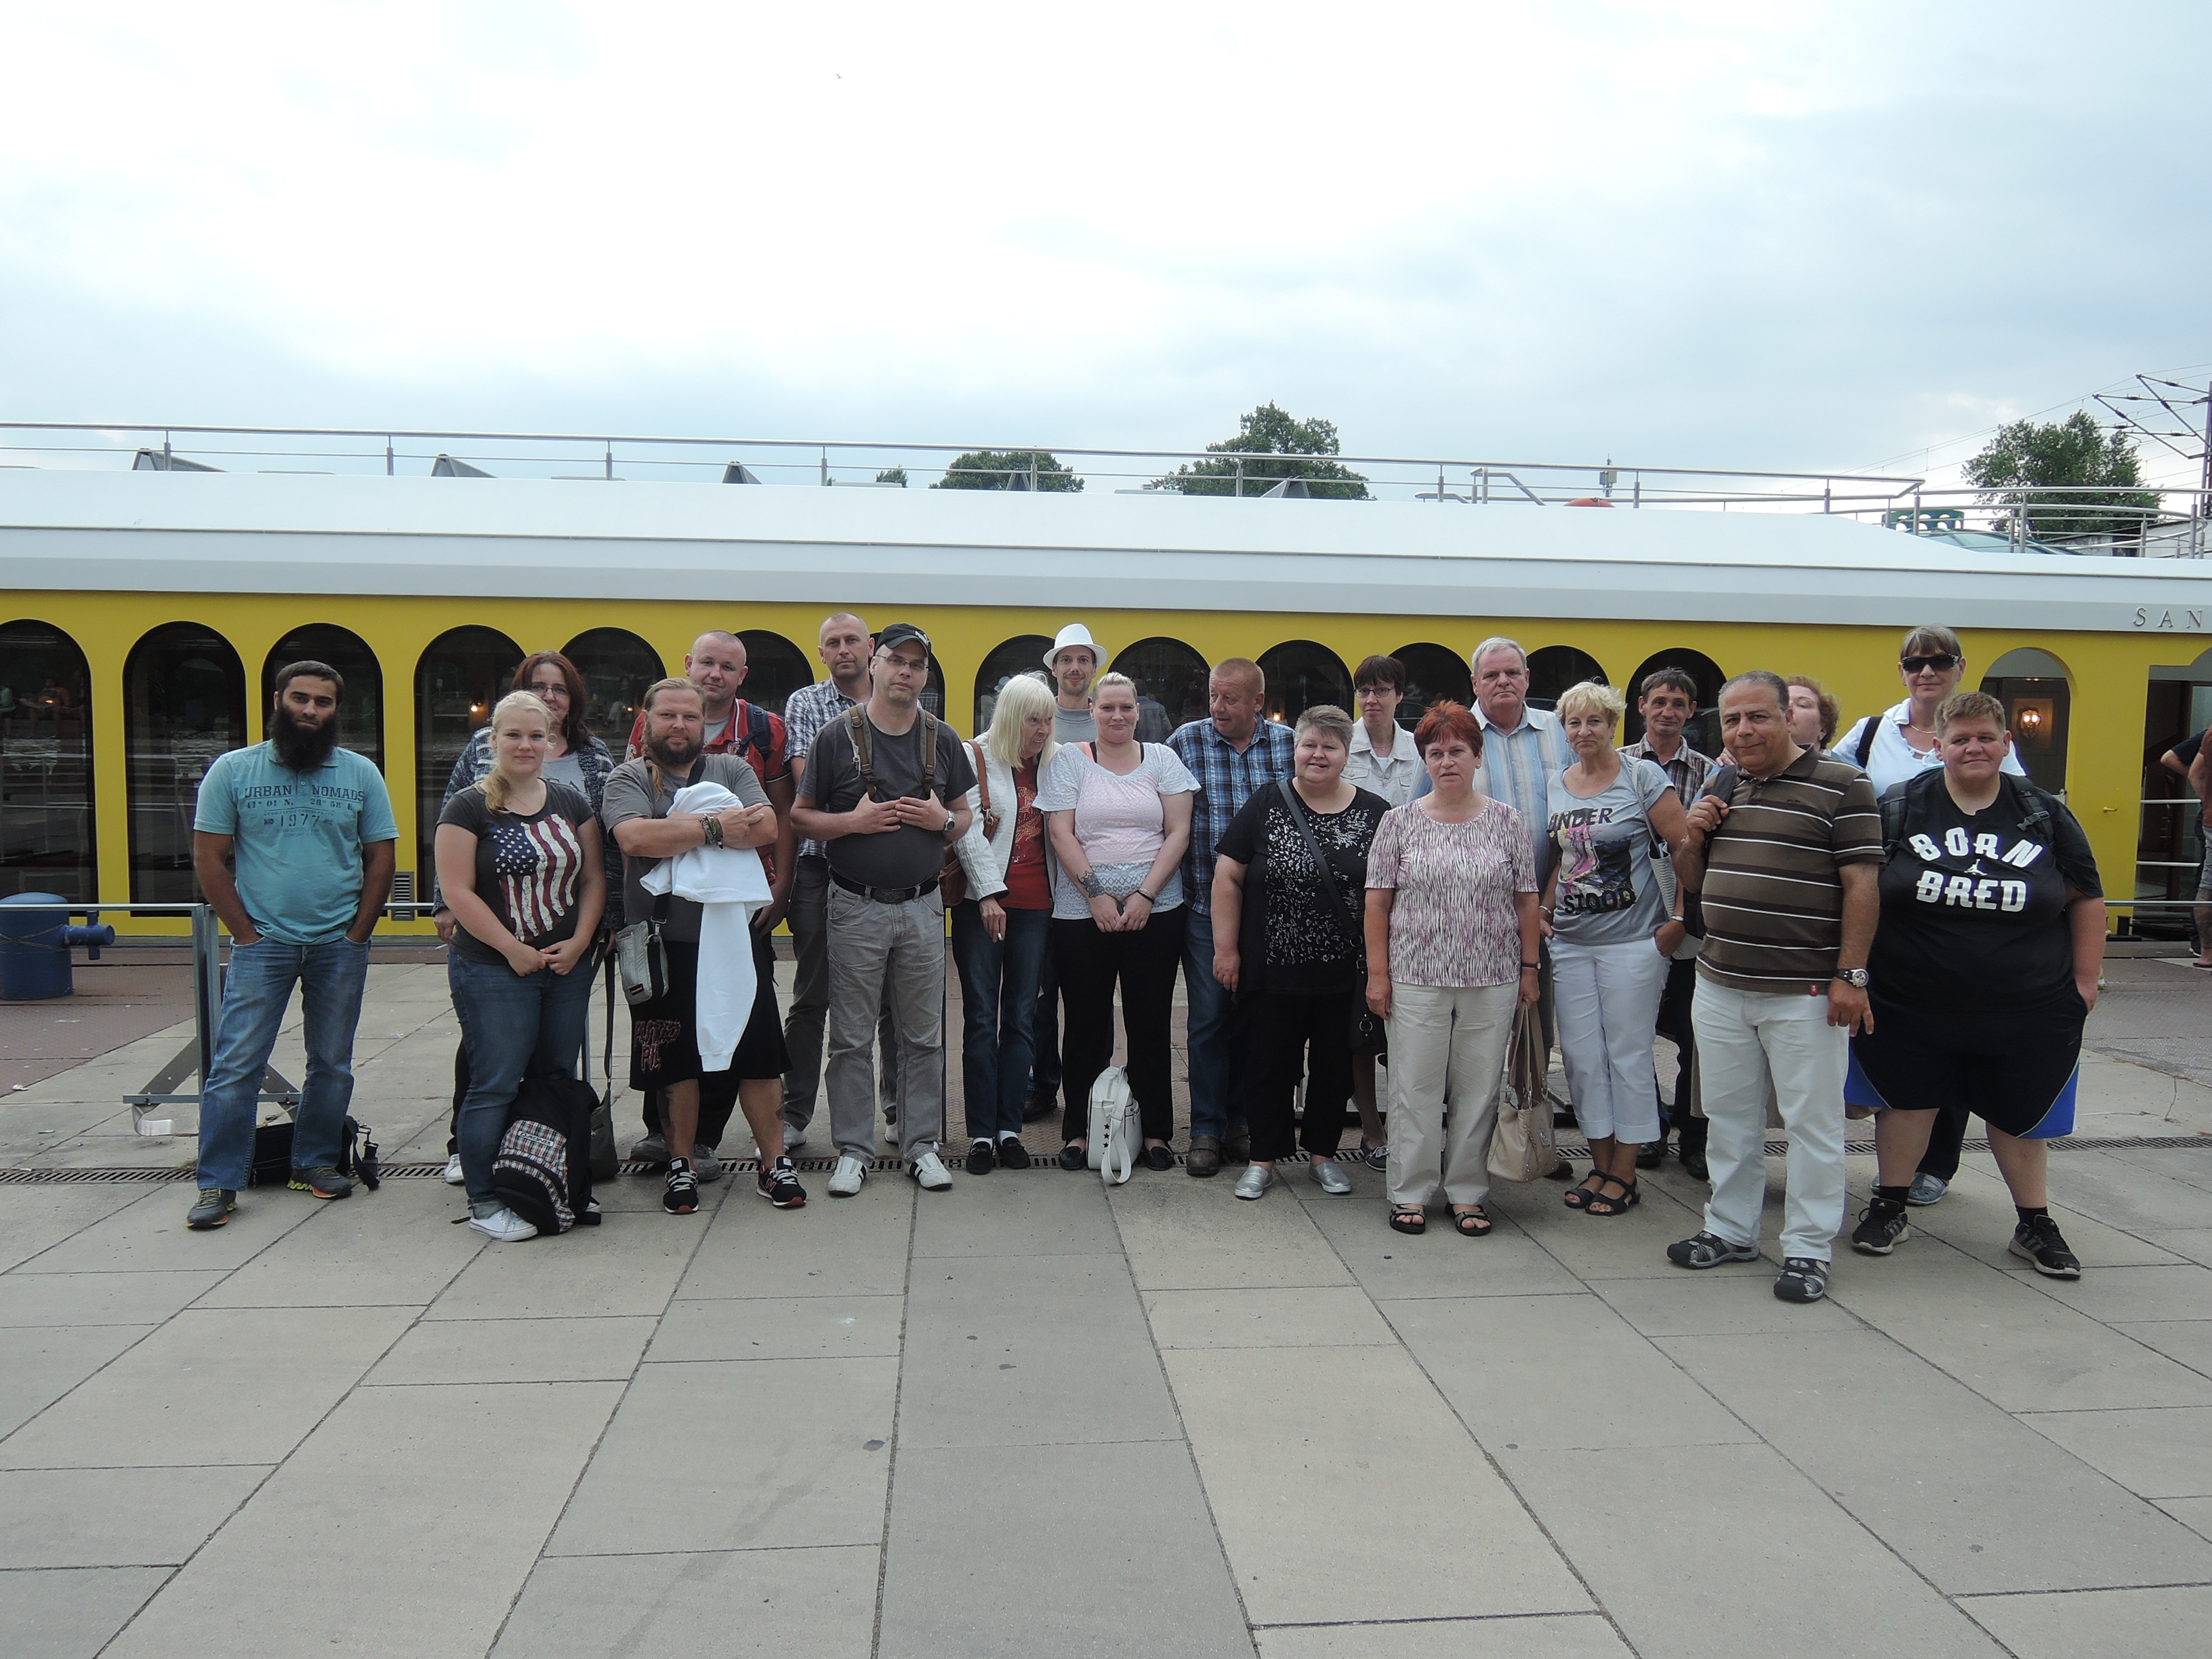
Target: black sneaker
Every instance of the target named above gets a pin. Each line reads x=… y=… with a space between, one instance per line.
x=981 y=1158
x=1881 y=1228
x=1013 y=1155
x=1695 y=1165
x=1650 y=1155
x=779 y=1185
x=1039 y=1104
x=679 y=1194
x=1708 y=1250
x=2038 y=1243
x=1802 y=1279
x=214 y=1208
x=323 y=1181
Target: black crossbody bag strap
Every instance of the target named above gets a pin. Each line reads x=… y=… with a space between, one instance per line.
x=1327 y=875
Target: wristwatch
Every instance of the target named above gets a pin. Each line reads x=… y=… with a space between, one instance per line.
x=1854 y=977
x=951 y=819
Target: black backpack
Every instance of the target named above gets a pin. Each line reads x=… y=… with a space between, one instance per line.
x=544 y=1170
x=2035 y=819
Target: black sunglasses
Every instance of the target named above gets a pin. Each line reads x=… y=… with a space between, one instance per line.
x=1942 y=663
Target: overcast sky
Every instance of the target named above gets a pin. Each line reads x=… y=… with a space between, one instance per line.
x=1760 y=236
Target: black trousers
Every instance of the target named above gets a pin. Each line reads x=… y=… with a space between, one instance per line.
x=1947 y=1141
x=1287 y=1038
x=1675 y=1023
x=1090 y=964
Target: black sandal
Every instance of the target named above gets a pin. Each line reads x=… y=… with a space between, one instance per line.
x=1579 y=1197
x=1407 y=1218
x=1472 y=1224
x=1629 y=1198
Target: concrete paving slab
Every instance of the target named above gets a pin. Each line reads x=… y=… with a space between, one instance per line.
x=1328 y=1318
x=396 y=1245
x=148 y=1234
x=2190 y=1243
x=1706 y=1304
x=380 y=1481
x=1801 y=1578
x=2191 y=1164
x=2116 y=1624
x=630 y=1265
x=1017 y=1212
x=1977 y=1217
x=205 y=1388
x=2124 y=1194
x=1278 y=1451
x=1552 y=1636
x=35 y=1219
x=2195 y=1513
x=1118 y=1534
x=833 y=1247
x=108 y=1299
x=115 y=1518
x=2158 y=1454
x=1438 y=1263
x=72 y=1612
x=1944 y=1489
x=2189 y=1340
x=1185 y=1235
x=605 y=1350
x=1632 y=1246
x=2127 y=1294
x=785 y=1602
x=781 y=1328
x=1004 y=1351
x=43 y=1364
x=739 y=1455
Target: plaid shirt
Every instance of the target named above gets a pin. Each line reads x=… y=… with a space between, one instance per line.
x=1226 y=779
x=1687 y=771
x=1517 y=767
x=805 y=711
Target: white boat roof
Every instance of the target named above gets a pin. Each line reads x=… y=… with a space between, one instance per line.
x=356 y=535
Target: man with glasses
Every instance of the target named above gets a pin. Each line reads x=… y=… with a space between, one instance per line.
x=875 y=791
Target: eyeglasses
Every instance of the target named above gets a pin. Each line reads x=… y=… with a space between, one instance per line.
x=1942 y=663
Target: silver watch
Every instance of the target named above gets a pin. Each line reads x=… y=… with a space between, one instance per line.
x=952 y=822
x=1854 y=977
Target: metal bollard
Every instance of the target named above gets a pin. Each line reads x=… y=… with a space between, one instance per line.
x=36 y=936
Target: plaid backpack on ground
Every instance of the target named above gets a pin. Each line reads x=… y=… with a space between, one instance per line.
x=544 y=1170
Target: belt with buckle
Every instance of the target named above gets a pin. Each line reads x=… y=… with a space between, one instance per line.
x=884 y=894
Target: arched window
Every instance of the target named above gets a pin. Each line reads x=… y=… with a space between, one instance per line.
x=774 y=668
x=1703 y=732
x=2038 y=707
x=1300 y=674
x=1170 y=681
x=1434 y=674
x=46 y=824
x=459 y=678
x=184 y=703
x=617 y=666
x=1554 y=668
x=1023 y=654
x=361 y=712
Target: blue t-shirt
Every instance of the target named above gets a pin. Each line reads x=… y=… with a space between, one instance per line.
x=296 y=837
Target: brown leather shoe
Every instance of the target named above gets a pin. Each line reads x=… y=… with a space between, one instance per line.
x=1237 y=1148
x=1204 y=1158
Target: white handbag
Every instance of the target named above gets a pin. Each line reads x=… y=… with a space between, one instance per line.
x=1116 y=1127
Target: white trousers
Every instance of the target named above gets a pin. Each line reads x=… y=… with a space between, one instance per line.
x=1447 y=1043
x=1608 y=1003
x=1748 y=1040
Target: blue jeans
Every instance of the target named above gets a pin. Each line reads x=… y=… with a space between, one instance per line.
x=999 y=993
x=256 y=992
x=511 y=1025
x=1217 y=1077
x=1044 y=1028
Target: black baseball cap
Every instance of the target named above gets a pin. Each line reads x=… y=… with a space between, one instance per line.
x=899 y=634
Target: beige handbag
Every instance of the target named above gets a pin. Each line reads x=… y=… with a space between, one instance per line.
x=1520 y=1147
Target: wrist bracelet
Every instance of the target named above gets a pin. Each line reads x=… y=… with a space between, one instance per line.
x=711 y=826
x=1532 y=967
x=1149 y=898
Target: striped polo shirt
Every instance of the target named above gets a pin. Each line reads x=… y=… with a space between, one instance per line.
x=1773 y=900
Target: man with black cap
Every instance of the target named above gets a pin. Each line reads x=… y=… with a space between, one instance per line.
x=875 y=791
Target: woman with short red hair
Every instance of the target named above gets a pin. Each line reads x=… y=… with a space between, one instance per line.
x=1452 y=927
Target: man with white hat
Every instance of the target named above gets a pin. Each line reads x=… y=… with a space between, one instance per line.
x=1074 y=660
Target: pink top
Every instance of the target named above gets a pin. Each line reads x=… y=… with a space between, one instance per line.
x=1120 y=822
x=1453 y=922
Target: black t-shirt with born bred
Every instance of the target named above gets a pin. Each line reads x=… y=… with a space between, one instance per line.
x=1973 y=912
x=906 y=856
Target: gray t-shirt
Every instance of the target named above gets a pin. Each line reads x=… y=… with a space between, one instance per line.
x=566 y=768
x=1607 y=892
x=630 y=794
x=1073 y=726
x=910 y=854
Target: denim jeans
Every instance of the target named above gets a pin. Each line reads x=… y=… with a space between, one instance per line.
x=999 y=995
x=511 y=1025
x=256 y=992
x=1214 y=1031
x=1044 y=1029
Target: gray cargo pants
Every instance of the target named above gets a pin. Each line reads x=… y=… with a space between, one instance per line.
x=884 y=954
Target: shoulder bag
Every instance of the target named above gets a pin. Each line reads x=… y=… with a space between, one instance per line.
x=1521 y=1147
x=1115 y=1128
x=640 y=956
x=952 y=879
x=1366 y=1029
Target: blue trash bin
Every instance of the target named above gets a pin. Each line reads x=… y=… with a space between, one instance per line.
x=36 y=938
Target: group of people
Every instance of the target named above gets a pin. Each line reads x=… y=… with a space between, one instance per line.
x=1900 y=918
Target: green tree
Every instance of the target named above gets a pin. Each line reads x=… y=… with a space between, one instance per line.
x=892 y=474
x=2026 y=461
x=1287 y=444
x=994 y=469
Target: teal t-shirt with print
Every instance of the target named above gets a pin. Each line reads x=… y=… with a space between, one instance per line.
x=296 y=837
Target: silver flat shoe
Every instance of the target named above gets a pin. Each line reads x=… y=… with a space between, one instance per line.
x=1330 y=1178
x=1255 y=1180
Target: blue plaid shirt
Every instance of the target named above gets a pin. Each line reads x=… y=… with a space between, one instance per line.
x=1517 y=767
x=1226 y=779
x=805 y=711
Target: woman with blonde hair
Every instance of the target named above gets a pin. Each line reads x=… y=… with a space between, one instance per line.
x=519 y=865
x=1003 y=931
x=1604 y=909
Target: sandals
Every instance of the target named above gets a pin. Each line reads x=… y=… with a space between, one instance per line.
x=1579 y=1197
x=1408 y=1219
x=1471 y=1224
x=1629 y=1198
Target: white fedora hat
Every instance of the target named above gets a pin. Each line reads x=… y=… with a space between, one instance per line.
x=1074 y=633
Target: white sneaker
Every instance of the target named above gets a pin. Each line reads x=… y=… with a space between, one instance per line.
x=793 y=1138
x=847 y=1178
x=503 y=1226
x=931 y=1175
x=452 y=1177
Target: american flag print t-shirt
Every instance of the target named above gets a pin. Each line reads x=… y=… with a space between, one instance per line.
x=529 y=868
